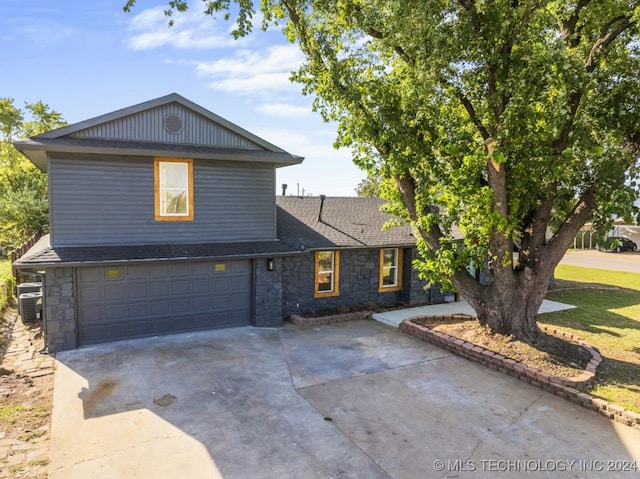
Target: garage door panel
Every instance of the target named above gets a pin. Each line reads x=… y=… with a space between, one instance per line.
x=159 y=308
x=161 y=325
x=159 y=289
x=238 y=301
x=201 y=269
x=180 y=270
x=90 y=294
x=115 y=311
x=180 y=306
x=138 y=310
x=221 y=284
x=143 y=300
x=200 y=285
x=137 y=272
x=180 y=287
x=90 y=275
x=114 y=292
x=202 y=303
x=137 y=290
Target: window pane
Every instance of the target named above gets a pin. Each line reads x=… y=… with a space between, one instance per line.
x=174 y=203
x=174 y=175
x=390 y=267
x=325 y=261
x=174 y=188
x=390 y=257
x=389 y=277
x=325 y=282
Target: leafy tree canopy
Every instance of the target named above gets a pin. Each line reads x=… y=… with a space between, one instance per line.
x=515 y=121
x=23 y=188
x=369 y=187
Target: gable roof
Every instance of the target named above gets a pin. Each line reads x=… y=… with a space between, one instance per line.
x=167 y=125
x=345 y=222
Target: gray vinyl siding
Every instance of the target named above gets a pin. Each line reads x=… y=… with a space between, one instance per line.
x=111 y=202
x=148 y=126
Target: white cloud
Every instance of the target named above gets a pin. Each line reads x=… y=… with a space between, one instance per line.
x=191 y=30
x=253 y=71
x=285 y=110
x=42 y=32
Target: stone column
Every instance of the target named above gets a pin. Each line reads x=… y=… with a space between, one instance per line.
x=60 y=309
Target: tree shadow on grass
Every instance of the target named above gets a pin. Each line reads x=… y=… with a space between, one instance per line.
x=595 y=310
x=610 y=323
x=624 y=376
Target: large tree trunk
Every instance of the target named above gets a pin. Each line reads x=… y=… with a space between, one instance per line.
x=510 y=307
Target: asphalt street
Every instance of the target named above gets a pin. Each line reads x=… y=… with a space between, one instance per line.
x=627 y=261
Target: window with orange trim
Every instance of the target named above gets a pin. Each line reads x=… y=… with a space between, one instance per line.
x=390 y=270
x=327 y=274
x=173 y=189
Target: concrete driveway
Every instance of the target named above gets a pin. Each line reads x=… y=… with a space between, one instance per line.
x=352 y=400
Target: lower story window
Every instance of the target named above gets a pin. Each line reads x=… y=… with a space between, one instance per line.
x=390 y=270
x=327 y=274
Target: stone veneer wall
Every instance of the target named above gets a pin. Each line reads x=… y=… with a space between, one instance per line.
x=60 y=309
x=268 y=293
x=359 y=275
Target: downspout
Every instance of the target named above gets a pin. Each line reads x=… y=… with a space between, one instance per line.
x=45 y=338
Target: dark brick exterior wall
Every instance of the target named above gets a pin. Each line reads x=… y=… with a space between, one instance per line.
x=268 y=294
x=359 y=276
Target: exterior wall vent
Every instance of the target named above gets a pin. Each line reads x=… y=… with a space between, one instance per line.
x=173 y=124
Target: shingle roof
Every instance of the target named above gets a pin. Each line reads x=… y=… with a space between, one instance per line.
x=42 y=254
x=345 y=222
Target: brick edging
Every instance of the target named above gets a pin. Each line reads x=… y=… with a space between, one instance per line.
x=567 y=388
x=335 y=318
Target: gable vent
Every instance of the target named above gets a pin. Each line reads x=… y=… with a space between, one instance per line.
x=173 y=124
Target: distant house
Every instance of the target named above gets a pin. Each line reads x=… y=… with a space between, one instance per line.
x=164 y=219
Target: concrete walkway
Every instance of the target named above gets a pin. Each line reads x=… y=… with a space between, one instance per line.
x=350 y=400
x=394 y=318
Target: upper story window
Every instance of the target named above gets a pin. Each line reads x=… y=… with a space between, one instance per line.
x=173 y=188
x=327 y=274
x=390 y=270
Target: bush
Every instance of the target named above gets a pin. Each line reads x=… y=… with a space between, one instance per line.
x=7 y=283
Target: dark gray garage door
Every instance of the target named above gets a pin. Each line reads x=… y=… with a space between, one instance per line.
x=149 y=299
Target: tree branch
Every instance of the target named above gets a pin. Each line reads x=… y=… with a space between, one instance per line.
x=607 y=36
x=558 y=244
x=568 y=28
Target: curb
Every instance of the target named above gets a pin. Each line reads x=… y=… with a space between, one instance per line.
x=335 y=318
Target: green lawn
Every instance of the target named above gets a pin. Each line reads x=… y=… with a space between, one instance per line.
x=608 y=318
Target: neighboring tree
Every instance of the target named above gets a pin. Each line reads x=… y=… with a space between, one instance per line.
x=516 y=120
x=23 y=188
x=369 y=187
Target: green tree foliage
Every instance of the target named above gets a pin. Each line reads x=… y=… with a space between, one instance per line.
x=369 y=187
x=515 y=120
x=23 y=188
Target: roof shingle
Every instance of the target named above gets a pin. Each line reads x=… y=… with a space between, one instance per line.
x=345 y=222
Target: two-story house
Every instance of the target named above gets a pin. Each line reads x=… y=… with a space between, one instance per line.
x=164 y=218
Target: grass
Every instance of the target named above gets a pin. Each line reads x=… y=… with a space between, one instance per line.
x=6 y=283
x=11 y=413
x=608 y=318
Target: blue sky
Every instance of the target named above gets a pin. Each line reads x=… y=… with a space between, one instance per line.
x=86 y=58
